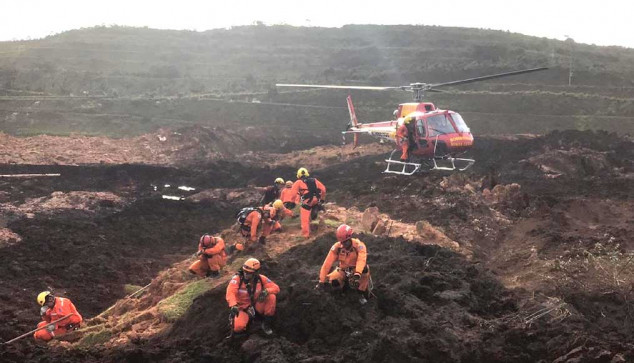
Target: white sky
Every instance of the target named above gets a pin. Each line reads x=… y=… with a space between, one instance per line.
x=606 y=22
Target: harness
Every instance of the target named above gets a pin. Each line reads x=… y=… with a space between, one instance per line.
x=313 y=191
x=251 y=289
x=351 y=268
x=242 y=214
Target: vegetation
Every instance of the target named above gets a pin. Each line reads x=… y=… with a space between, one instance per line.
x=176 y=305
x=121 y=81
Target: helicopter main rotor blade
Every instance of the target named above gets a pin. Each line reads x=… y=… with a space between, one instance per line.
x=453 y=83
x=335 y=86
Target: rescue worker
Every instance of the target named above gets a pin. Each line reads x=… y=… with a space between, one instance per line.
x=352 y=270
x=312 y=194
x=287 y=196
x=54 y=308
x=211 y=257
x=271 y=193
x=250 y=294
x=278 y=215
x=405 y=135
x=264 y=216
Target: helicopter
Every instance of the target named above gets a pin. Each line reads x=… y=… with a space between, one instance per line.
x=428 y=138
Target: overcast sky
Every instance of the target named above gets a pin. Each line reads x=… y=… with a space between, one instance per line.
x=606 y=22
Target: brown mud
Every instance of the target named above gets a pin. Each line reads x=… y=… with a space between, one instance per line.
x=547 y=219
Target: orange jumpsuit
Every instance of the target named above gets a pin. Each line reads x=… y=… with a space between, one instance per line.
x=238 y=294
x=353 y=259
x=308 y=203
x=402 y=137
x=289 y=198
x=61 y=308
x=213 y=257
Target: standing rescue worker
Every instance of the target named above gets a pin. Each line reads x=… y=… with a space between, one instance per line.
x=312 y=194
x=54 y=308
x=405 y=135
x=271 y=193
x=287 y=196
x=249 y=294
x=353 y=270
x=211 y=257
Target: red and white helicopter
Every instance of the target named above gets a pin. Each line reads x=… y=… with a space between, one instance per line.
x=435 y=138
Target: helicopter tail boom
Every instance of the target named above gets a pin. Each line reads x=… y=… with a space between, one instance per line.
x=353 y=120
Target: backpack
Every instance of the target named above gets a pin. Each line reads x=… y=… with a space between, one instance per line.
x=313 y=191
x=242 y=214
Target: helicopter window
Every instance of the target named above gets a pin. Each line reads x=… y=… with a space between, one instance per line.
x=420 y=127
x=460 y=124
x=439 y=125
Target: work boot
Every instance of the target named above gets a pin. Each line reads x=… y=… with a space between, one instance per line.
x=266 y=325
x=213 y=274
x=262 y=240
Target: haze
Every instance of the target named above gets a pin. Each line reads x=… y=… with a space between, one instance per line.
x=584 y=21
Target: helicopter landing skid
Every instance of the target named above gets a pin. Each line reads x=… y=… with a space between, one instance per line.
x=395 y=166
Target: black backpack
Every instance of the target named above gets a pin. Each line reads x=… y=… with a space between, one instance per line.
x=242 y=214
x=313 y=191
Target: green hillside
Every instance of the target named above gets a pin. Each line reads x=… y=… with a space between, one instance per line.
x=126 y=80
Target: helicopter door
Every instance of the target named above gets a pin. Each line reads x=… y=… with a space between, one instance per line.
x=421 y=134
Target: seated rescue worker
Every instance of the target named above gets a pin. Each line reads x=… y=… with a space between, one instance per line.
x=249 y=295
x=287 y=196
x=211 y=257
x=52 y=309
x=352 y=270
x=271 y=193
x=312 y=194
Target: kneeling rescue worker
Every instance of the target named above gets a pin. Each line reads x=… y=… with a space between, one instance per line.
x=312 y=193
x=251 y=219
x=52 y=309
x=351 y=254
x=211 y=257
x=250 y=294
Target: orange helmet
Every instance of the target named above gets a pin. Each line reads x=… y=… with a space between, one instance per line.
x=251 y=265
x=206 y=240
x=344 y=232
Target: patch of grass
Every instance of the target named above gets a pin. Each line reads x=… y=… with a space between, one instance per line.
x=129 y=288
x=96 y=338
x=332 y=223
x=176 y=305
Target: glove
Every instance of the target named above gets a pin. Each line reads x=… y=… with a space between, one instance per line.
x=43 y=310
x=320 y=286
x=355 y=280
x=263 y=294
x=235 y=310
x=50 y=328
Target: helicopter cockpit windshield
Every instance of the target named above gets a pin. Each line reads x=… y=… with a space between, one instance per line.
x=439 y=125
x=460 y=124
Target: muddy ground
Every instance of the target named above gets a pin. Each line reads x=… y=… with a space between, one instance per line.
x=558 y=242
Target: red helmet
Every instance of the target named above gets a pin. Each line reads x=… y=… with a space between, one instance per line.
x=206 y=240
x=344 y=232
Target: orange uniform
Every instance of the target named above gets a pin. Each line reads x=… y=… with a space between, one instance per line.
x=212 y=258
x=353 y=260
x=403 y=139
x=61 y=308
x=309 y=200
x=289 y=198
x=245 y=295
